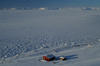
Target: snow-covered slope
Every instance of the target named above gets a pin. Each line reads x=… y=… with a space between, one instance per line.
x=76 y=56
x=27 y=35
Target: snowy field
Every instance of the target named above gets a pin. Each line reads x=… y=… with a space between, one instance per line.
x=27 y=35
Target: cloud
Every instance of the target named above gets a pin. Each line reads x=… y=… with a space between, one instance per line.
x=41 y=9
x=12 y=9
x=87 y=8
x=3 y=8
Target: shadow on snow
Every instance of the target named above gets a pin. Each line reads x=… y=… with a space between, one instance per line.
x=67 y=57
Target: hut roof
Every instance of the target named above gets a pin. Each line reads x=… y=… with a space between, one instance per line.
x=62 y=57
x=50 y=56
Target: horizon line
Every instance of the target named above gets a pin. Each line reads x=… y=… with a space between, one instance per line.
x=51 y=8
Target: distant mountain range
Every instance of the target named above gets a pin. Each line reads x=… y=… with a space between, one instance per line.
x=53 y=8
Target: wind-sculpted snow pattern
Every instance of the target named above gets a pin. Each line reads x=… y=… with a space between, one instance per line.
x=23 y=31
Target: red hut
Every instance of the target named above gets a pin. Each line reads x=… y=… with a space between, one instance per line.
x=49 y=57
